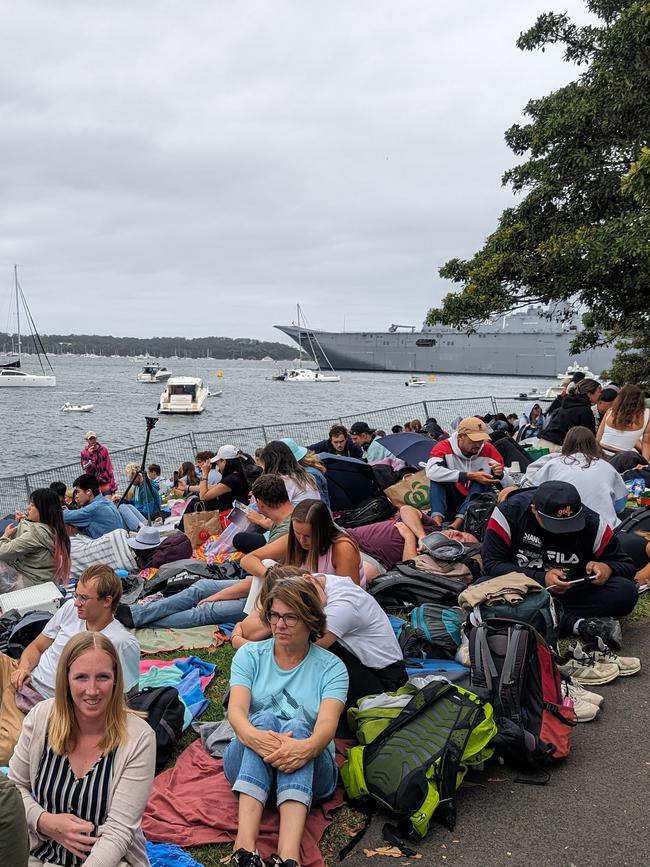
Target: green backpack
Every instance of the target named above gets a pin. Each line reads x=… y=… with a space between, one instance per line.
x=413 y=766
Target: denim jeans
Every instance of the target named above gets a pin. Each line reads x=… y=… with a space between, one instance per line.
x=131 y=518
x=182 y=610
x=247 y=772
x=447 y=501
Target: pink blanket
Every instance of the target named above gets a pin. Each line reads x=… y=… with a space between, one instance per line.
x=192 y=804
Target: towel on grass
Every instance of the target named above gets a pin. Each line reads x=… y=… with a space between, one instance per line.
x=190 y=676
x=192 y=804
x=164 y=855
x=168 y=639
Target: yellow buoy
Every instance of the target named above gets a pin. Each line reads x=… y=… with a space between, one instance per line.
x=219 y=374
x=431 y=377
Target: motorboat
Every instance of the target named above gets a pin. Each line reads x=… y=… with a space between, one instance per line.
x=9 y=376
x=153 y=373
x=415 y=382
x=76 y=407
x=303 y=374
x=576 y=368
x=185 y=395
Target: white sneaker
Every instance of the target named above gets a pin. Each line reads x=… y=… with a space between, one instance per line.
x=627 y=665
x=584 y=711
x=572 y=688
x=587 y=670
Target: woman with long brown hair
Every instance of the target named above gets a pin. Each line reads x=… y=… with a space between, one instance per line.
x=313 y=542
x=626 y=424
x=84 y=764
x=38 y=546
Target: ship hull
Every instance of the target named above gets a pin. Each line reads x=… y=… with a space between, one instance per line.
x=492 y=353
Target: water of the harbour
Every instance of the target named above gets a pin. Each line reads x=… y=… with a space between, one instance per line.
x=35 y=434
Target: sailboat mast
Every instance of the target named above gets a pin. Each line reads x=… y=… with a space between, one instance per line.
x=299 y=333
x=17 y=308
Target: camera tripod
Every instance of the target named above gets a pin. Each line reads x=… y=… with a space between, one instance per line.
x=149 y=495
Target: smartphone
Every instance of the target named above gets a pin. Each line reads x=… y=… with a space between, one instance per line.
x=578 y=580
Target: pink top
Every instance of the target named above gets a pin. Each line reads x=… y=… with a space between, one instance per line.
x=325 y=565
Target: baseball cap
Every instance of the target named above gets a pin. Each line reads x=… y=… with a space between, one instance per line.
x=474 y=428
x=91 y=435
x=361 y=427
x=559 y=507
x=225 y=453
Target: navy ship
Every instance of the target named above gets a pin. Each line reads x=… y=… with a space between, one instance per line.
x=524 y=343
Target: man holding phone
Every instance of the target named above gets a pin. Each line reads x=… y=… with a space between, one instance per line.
x=550 y=535
x=459 y=467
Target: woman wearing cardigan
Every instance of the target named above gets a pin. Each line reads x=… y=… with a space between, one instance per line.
x=101 y=756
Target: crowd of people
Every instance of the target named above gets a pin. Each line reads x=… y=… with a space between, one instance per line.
x=310 y=640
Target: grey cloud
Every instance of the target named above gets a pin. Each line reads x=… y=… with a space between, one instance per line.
x=202 y=167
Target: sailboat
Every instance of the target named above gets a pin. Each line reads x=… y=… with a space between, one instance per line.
x=305 y=374
x=10 y=373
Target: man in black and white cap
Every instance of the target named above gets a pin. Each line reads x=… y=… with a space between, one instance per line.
x=550 y=535
x=363 y=436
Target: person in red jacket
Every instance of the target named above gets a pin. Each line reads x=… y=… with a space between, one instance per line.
x=95 y=459
x=458 y=468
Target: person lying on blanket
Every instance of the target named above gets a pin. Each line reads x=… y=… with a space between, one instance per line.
x=286 y=697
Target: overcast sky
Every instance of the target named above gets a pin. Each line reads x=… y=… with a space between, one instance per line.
x=198 y=168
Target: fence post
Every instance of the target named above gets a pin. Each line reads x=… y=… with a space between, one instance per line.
x=495 y=408
x=426 y=411
x=193 y=442
x=266 y=439
x=28 y=486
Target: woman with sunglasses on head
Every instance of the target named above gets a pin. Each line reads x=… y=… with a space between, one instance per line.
x=84 y=764
x=38 y=546
x=313 y=542
x=286 y=697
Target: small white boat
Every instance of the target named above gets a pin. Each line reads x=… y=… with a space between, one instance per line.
x=303 y=374
x=185 y=395
x=153 y=373
x=415 y=382
x=76 y=407
x=216 y=393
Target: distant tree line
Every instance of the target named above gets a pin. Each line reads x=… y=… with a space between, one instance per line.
x=162 y=347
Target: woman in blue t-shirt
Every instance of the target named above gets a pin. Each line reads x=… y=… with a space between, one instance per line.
x=286 y=697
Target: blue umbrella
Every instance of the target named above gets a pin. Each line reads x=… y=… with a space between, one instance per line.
x=412 y=448
x=349 y=481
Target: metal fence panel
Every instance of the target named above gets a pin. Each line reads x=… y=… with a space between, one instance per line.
x=245 y=438
x=171 y=452
x=303 y=432
x=447 y=411
x=384 y=419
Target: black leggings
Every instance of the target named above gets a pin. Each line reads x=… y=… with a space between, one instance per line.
x=635 y=548
x=368 y=681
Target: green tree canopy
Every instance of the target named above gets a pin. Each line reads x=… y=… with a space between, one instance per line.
x=580 y=233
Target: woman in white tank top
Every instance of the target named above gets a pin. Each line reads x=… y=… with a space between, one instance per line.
x=625 y=425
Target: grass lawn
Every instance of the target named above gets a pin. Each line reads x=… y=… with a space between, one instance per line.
x=347 y=821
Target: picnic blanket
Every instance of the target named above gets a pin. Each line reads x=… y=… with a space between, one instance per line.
x=168 y=639
x=192 y=804
x=189 y=675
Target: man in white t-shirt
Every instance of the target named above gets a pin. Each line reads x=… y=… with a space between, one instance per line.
x=358 y=632
x=32 y=678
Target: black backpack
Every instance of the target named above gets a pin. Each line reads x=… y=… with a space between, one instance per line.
x=25 y=630
x=405 y=587
x=368 y=512
x=514 y=669
x=165 y=713
x=639 y=519
x=478 y=514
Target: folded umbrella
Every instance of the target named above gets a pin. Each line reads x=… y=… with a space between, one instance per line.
x=412 y=448
x=349 y=481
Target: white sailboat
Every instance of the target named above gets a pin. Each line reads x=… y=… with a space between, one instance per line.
x=10 y=375
x=306 y=374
